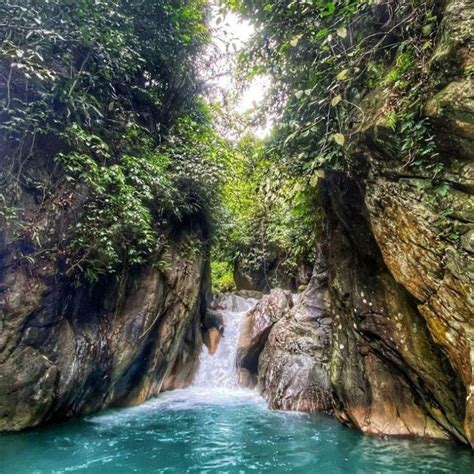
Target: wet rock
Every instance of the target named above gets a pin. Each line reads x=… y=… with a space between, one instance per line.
x=293 y=368
x=211 y=339
x=28 y=379
x=231 y=302
x=387 y=372
x=255 y=329
x=212 y=330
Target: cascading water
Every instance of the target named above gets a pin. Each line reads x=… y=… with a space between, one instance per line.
x=218 y=370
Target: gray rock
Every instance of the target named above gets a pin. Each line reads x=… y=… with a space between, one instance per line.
x=293 y=368
x=255 y=329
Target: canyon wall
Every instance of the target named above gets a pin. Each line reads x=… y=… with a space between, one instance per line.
x=396 y=354
x=68 y=349
x=399 y=253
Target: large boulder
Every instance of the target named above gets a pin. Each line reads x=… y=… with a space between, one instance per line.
x=293 y=368
x=272 y=276
x=255 y=329
x=67 y=350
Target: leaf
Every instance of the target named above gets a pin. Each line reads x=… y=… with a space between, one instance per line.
x=294 y=42
x=330 y=9
x=290 y=137
x=336 y=100
x=317 y=175
x=427 y=29
x=342 y=76
x=442 y=190
x=299 y=94
x=339 y=138
x=342 y=32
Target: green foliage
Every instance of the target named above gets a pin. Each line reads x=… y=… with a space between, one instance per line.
x=404 y=61
x=104 y=95
x=133 y=199
x=324 y=58
x=8 y=215
x=118 y=226
x=222 y=276
x=417 y=145
x=269 y=221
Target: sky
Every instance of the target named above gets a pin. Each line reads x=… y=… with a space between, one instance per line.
x=229 y=31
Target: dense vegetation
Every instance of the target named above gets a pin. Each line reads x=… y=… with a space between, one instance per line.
x=104 y=97
x=269 y=225
x=324 y=58
x=337 y=68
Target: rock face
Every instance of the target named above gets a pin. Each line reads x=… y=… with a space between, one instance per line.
x=263 y=280
x=388 y=374
x=255 y=329
x=293 y=368
x=67 y=350
x=401 y=266
x=393 y=352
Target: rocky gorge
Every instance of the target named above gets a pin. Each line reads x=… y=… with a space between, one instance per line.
x=380 y=334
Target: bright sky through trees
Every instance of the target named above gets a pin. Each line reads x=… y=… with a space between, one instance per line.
x=230 y=35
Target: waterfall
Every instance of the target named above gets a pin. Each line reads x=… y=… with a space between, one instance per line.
x=218 y=370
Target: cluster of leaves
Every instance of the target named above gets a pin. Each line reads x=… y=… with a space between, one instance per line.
x=222 y=275
x=324 y=58
x=269 y=222
x=135 y=199
x=105 y=94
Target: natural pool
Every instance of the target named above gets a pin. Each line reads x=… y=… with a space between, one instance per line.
x=217 y=427
x=218 y=430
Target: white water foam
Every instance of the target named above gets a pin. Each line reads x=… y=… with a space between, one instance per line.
x=215 y=382
x=218 y=370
